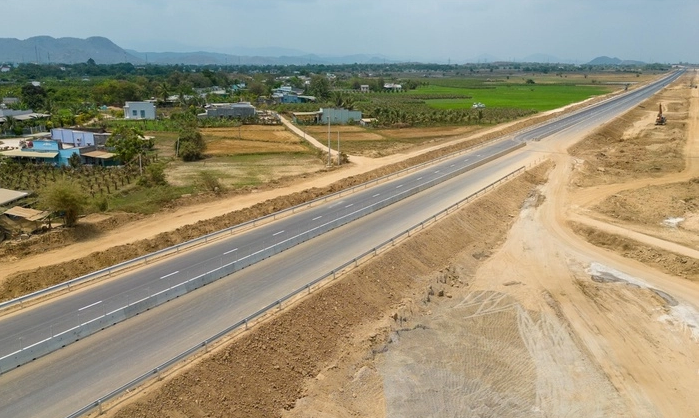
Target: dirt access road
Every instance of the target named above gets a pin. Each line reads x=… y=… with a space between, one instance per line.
x=487 y=314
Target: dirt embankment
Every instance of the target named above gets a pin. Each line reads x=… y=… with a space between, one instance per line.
x=633 y=147
x=666 y=261
x=334 y=332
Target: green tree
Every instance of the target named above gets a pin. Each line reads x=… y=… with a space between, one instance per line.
x=210 y=182
x=379 y=84
x=190 y=144
x=74 y=160
x=33 y=96
x=319 y=87
x=257 y=88
x=117 y=92
x=296 y=82
x=340 y=99
x=154 y=175
x=65 y=198
x=162 y=91
x=128 y=142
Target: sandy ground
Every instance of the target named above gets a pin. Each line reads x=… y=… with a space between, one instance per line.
x=532 y=301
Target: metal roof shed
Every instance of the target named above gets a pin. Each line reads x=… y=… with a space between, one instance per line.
x=7 y=195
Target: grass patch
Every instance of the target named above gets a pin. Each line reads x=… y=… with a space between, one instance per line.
x=146 y=200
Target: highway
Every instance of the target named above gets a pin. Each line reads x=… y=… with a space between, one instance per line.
x=76 y=308
x=62 y=382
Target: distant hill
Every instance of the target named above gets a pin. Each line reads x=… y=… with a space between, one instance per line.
x=604 y=60
x=45 y=49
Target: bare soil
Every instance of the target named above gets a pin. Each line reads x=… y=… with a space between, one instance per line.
x=263 y=139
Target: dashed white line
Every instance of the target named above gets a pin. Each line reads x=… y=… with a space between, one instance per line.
x=399 y=186
x=419 y=178
x=173 y=273
x=90 y=306
x=277 y=233
x=451 y=165
x=230 y=251
x=436 y=172
x=351 y=204
x=376 y=195
x=316 y=218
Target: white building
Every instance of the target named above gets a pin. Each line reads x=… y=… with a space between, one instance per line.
x=139 y=110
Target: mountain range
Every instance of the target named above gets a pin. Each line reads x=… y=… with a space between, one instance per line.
x=45 y=49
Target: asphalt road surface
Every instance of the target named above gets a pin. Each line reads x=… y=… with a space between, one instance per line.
x=66 y=380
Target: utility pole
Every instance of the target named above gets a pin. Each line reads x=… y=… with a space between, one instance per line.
x=329 y=155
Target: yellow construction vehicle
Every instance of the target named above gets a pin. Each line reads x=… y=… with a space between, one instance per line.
x=660 y=120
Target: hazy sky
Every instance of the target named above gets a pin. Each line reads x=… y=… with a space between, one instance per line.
x=426 y=30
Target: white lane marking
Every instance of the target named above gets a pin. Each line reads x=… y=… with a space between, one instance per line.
x=349 y=205
x=277 y=233
x=478 y=155
x=466 y=160
x=419 y=178
x=399 y=186
x=171 y=274
x=376 y=195
x=451 y=165
x=90 y=306
x=337 y=204
x=436 y=172
x=230 y=251
x=316 y=218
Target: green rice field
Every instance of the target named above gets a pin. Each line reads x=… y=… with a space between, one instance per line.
x=540 y=97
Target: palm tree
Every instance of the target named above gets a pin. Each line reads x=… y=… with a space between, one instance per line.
x=162 y=91
x=9 y=124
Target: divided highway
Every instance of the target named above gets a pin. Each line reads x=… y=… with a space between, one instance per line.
x=64 y=381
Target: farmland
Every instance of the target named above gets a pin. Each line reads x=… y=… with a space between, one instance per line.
x=539 y=97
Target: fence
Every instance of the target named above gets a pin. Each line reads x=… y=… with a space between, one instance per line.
x=307 y=288
x=26 y=300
